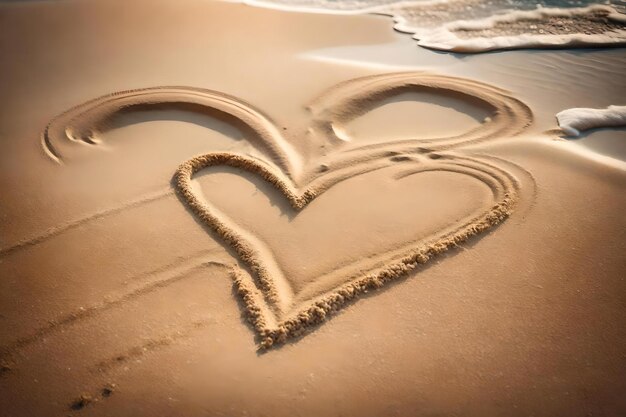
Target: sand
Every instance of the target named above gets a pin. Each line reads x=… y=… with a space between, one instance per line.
x=202 y=216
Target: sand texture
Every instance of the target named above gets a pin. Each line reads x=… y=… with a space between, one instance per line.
x=342 y=283
x=202 y=216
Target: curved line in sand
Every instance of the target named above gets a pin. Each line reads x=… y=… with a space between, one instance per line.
x=179 y=270
x=331 y=111
x=64 y=227
x=269 y=307
x=268 y=297
x=351 y=99
x=500 y=187
x=84 y=123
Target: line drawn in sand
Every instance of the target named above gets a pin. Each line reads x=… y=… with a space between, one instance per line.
x=275 y=309
x=166 y=275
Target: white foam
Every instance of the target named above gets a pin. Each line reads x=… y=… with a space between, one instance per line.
x=444 y=37
x=573 y=121
x=327 y=7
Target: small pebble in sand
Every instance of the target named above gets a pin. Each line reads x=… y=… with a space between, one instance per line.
x=81 y=402
x=108 y=390
x=4 y=368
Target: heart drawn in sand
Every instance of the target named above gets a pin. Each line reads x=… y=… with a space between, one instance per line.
x=280 y=304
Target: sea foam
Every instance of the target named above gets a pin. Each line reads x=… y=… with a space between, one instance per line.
x=573 y=121
x=596 y=25
x=471 y=26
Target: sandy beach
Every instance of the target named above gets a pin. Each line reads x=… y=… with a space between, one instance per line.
x=221 y=209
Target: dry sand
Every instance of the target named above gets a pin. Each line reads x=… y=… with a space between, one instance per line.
x=203 y=216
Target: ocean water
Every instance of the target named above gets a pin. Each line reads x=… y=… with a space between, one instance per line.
x=476 y=26
x=471 y=26
x=485 y=6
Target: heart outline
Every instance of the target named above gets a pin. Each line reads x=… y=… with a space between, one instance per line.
x=81 y=123
x=273 y=332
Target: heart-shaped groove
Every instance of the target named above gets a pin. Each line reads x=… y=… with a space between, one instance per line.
x=84 y=124
x=302 y=176
x=353 y=98
x=276 y=319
